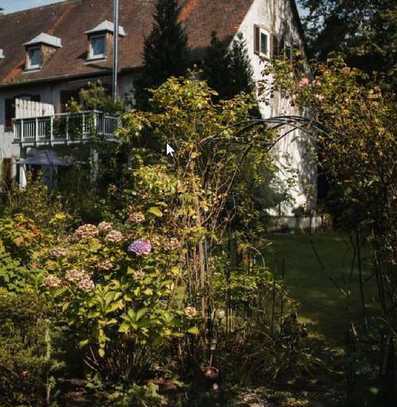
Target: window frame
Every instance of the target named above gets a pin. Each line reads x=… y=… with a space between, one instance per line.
x=258 y=32
x=91 y=55
x=29 y=51
x=268 y=43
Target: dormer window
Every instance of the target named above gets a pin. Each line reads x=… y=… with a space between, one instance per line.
x=35 y=58
x=97 y=47
x=100 y=40
x=40 y=49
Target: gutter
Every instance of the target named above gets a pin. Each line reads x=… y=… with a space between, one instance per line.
x=62 y=78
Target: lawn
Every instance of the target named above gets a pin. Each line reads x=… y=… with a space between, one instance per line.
x=320 y=283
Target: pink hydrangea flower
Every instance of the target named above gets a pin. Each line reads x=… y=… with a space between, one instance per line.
x=105 y=265
x=80 y=278
x=86 y=284
x=52 y=281
x=57 y=252
x=136 y=217
x=74 y=275
x=86 y=231
x=114 y=236
x=105 y=227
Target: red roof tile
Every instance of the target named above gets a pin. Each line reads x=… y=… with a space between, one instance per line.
x=70 y=19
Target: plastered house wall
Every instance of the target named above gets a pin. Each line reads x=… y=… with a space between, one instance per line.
x=293 y=153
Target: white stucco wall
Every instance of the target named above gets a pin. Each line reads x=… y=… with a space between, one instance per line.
x=293 y=152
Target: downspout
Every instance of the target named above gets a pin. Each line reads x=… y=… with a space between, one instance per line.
x=115 y=48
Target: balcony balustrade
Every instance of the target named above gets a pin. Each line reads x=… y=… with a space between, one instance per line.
x=65 y=128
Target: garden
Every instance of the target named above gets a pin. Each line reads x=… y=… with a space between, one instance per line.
x=160 y=283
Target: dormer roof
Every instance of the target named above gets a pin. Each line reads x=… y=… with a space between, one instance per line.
x=106 y=26
x=46 y=39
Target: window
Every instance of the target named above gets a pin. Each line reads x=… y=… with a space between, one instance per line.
x=262 y=42
x=9 y=113
x=97 y=47
x=35 y=58
x=264 y=49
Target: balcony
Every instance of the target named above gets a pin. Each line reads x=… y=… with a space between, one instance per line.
x=65 y=129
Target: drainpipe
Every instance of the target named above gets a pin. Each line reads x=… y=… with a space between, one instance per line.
x=115 y=47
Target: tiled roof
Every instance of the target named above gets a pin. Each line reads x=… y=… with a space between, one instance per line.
x=71 y=19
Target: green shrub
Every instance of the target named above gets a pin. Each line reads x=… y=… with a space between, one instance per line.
x=13 y=276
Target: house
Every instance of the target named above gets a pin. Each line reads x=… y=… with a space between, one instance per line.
x=48 y=54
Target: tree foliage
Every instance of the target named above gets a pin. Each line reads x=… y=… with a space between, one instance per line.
x=165 y=50
x=227 y=68
x=364 y=31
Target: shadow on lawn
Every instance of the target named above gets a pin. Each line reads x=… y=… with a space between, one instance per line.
x=317 y=272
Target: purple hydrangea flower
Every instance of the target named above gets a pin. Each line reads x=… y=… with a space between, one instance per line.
x=140 y=247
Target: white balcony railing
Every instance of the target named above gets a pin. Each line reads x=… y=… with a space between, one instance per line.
x=65 y=128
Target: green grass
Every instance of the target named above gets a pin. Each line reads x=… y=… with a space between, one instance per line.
x=320 y=283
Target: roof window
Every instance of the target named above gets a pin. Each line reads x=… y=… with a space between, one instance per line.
x=100 y=40
x=40 y=49
x=34 y=58
x=97 y=47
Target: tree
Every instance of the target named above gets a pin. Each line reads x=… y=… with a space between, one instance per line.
x=216 y=66
x=357 y=144
x=240 y=69
x=364 y=31
x=228 y=69
x=165 y=51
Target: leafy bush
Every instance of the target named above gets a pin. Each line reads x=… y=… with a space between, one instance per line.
x=119 y=295
x=13 y=276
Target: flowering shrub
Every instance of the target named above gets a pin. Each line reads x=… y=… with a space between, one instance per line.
x=115 y=292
